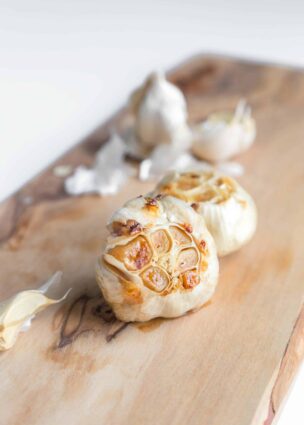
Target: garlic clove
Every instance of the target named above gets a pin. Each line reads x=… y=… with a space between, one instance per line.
x=153 y=264
x=139 y=94
x=17 y=312
x=160 y=241
x=155 y=278
x=228 y=210
x=223 y=135
x=160 y=112
x=27 y=324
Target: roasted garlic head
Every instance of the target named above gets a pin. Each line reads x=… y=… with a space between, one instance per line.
x=224 y=134
x=160 y=112
x=229 y=211
x=159 y=260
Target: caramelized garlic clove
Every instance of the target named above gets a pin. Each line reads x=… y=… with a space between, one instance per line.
x=135 y=254
x=179 y=235
x=155 y=278
x=17 y=312
x=186 y=259
x=160 y=241
x=190 y=279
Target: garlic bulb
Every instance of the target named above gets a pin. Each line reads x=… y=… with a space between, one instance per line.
x=160 y=114
x=223 y=135
x=229 y=211
x=159 y=260
x=17 y=312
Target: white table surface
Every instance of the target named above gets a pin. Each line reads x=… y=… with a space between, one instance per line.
x=65 y=66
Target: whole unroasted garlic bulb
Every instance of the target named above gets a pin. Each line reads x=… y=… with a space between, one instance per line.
x=224 y=134
x=159 y=260
x=229 y=211
x=160 y=113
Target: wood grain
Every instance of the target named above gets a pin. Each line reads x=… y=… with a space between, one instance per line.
x=230 y=363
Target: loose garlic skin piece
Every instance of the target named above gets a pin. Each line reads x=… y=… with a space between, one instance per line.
x=160 y=114
x=159 y=260
x=223 y=135
x=229 y=211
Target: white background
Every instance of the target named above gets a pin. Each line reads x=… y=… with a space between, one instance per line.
x=65 y=66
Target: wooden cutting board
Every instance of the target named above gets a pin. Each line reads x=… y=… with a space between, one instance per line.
x=232 y=362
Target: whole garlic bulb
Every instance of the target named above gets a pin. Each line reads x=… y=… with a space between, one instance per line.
x=223 y=135
x=160 y=113
x=229 y=211
x=159 y=260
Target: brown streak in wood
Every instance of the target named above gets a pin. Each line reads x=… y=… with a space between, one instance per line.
x=15 y=215
x=117 y=332
x=102 y=310
x=68 y=338
x=17 y=228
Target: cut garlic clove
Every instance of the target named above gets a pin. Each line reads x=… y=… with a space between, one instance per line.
x=160 y=241
x=135 y=254
x=190 y=279
x=186 y=259
x=17 y=312
x=180 y=236
x=155 y=278
x=164 y=263
x=223 y=135
x=229 y=211
x=160 y=113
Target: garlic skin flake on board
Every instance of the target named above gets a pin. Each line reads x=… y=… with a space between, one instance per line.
x=159 y=260
x=165 y=158
x=17 y=312
x=224 y=134
x=229 y=211
x=108 y=174
x=160 y=112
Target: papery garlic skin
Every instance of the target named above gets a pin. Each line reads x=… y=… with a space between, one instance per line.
x=17 y=312
x=223 y=135
x=164 y=158
x=160 y=114
x=229 y=211
x=108 y=174
x=159 y=260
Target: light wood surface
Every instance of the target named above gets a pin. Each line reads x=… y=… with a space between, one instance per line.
x=232 y=362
